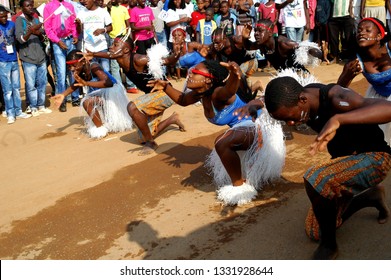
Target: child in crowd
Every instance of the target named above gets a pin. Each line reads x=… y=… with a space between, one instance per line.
x=226 y=20
x=196 y=16
x=158 y=24
x=205 y=28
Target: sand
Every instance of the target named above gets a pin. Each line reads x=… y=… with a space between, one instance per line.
x=64 y=196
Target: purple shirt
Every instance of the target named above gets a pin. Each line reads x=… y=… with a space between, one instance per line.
x=54 y=29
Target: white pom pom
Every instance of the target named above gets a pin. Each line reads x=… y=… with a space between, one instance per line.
x=97 y=132
x=155 y=60
x=238 y=195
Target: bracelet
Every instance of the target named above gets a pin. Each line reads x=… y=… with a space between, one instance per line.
x=105 y=30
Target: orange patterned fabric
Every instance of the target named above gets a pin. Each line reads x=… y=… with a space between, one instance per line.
x=342 y=178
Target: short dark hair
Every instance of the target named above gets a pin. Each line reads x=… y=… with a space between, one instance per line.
x=282 y=92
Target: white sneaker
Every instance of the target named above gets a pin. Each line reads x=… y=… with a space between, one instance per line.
x=4 y=114
x=10 y=120
x=44 y=110
x=34 y=112
x=23 y=116
x=28 y=110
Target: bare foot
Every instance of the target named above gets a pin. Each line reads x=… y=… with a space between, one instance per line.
x=149 y=148
x=325 y=253
x=177 y=121
x=384 y=211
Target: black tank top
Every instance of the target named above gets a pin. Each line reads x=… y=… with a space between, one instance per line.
x=279 y=62
x=140 y=79
x=349 y=139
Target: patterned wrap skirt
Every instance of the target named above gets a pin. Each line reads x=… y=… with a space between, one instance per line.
x=341 y=179
x=152 y=105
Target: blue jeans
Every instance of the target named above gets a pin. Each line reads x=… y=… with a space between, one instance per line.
x=10 y=82
x=295 y=33
x=35 y=76
x=104 y=62
x=61 y=68
x=115 y=71
x=161 y=38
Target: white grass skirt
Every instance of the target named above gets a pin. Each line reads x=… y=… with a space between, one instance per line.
x=259 y=165
x=112 y=108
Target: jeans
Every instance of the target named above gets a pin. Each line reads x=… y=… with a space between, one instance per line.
x=104 y=62
x=35 y=76
x=295 y=33
x=10 y=82
x=115 y=71
x=61 y=68
x=161 y=38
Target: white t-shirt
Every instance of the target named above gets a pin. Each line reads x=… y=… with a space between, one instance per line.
x=93 y=20
x=294 y=14
x=172 y=15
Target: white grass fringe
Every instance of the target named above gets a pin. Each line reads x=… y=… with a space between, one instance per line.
x=259 y=166
x=112 y=108
x=155 y=60
x=239 y=195
x=303 y=57
x=304 y=78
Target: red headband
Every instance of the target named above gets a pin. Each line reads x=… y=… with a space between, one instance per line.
x=179 y=29
x=195 y=71
x=264 y=26
x=379 y=26
x=71 y=62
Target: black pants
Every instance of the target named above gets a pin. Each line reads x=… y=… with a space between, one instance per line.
x=341 y=29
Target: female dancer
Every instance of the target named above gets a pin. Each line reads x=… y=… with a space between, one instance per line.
x=374 y=61
x=221 y=90
x=105 y=104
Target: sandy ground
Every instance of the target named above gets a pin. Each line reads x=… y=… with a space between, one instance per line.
x=64 y=196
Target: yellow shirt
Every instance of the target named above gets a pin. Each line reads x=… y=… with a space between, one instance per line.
x=375 y=3
x=118 y=15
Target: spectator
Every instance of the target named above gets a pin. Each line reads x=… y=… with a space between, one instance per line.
x=9 y=74
x=120 y=21
x=141 y=18
x=243 y=12
x=196 y=16
x=29 y=34
x=296 y=19
x=158 y=24
x=96 y=22
x=226 y=20
x=205 y=28
x=341 y=31
x=61 y=30
x=374 y=8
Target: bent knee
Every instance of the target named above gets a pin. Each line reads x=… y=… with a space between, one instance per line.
x=132 y=108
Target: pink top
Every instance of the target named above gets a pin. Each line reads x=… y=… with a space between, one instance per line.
x=142 y=17
x=54 y=29
x=269 y=12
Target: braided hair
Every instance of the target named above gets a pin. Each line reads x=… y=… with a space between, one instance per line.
x=282 y=92
x=221 y=75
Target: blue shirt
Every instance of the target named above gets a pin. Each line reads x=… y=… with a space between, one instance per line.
x=7 y=38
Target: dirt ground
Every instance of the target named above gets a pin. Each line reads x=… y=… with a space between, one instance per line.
x=64 y=196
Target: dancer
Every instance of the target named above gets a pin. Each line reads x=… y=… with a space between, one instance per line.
x=360 y=158
x=373 y=61
x=105 y=104
x=146 y=110
x=221 y=90
x=281 y=52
